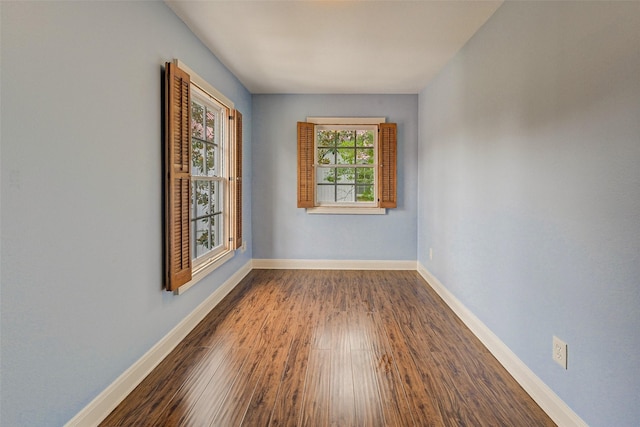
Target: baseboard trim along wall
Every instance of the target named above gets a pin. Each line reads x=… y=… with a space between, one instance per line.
x=553 y=405
x=333 y=264
x=98 y=409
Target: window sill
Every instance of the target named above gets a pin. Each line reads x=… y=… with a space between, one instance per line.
x=337 y=210
x=202 y=271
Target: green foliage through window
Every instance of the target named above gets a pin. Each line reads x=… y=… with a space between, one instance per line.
x=206 y=195
x=345 y=172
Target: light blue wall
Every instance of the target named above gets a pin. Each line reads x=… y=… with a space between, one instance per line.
x=281 y=230
x=529 y=193
x=81 y=197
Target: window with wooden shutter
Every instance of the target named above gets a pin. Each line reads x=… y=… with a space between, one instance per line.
x=347 y=165
x=203 y=178
x=178 y=184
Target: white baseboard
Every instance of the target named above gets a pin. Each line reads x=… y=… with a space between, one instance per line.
x=555 y=407
x=330 y=264
x=98 y=409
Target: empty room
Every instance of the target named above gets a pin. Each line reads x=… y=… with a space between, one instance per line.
x=310 y=213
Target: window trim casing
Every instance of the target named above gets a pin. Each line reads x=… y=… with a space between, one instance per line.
x=347 y=209
x=374 y=166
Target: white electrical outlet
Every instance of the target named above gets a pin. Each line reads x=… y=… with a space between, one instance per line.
x=559 y=352
x=244 y=246
x=431 y=254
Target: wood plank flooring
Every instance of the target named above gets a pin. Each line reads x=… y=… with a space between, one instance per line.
x=329 y=348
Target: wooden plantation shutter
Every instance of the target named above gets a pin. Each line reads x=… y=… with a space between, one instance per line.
x=237 y=229
x=178 y=178
x=387 y=169
x=306 y=178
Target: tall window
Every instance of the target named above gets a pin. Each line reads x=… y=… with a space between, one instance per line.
x=209 y=193
x=346 y=165
x=203 y=187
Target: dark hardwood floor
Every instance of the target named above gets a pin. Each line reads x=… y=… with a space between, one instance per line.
x=320 y=348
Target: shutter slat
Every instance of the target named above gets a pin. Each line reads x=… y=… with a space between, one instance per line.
x=178 y=184
x=306 y=178
x=387 y=174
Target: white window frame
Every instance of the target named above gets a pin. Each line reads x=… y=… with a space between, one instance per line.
x=341 y=123
x=210 y=261
x=223 y=164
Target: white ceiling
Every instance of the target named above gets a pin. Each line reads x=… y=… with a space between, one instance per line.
x=334 y=46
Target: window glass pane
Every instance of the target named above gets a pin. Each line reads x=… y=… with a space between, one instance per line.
x=216 y=196
x=326 y=138
x=364 y=175
x=345 y=156
x=364 y=193
x=364 y=156
x=346 y=175
x=326 y=193
x=210 y=156
x=197 y=157
x=203 y=236
x=326 y=156
x=345 y=193
x=203 y=199
x=210 y=125
x=216 y=231
x=364 y=138
x=347 y=138
x=197 y=119
x=192 y=238
x=325 y=175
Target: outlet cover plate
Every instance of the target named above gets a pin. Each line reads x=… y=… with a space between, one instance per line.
x=559 y=354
